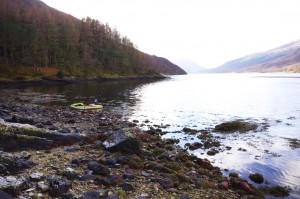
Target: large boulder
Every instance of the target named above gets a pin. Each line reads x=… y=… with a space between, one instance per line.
x=236 y=126
x=13 y=185
x=123 y=141
x=12 y=164
x=15 y=137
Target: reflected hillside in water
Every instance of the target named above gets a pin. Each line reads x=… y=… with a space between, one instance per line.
x=116 y=96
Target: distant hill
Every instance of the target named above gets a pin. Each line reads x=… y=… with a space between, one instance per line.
x=189 y=66
x=165 y=66
x=34 y=36
x=285 y=58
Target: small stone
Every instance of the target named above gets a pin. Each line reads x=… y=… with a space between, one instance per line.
x=72 y=149
x=36 y=177
x=87 y=177
x=224 y=185
x=101 y=181
x=128 y=176
x=166 y=183
x=146 y=195
x=40 y=125
x=98 y=168
x=70 y=173
x=25 y=155
x=42 y=186
x=145 y=174
x=115 y=180
x=184 y=196
x=240 y=184
x=127 y=187
x=57 y=186
x=173 y=190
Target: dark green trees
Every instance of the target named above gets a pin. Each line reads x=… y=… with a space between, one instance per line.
x=33 y=35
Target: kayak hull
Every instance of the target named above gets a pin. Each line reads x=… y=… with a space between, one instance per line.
x=87 y=107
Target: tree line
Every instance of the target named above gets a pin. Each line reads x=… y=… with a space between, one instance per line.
x=34 y=35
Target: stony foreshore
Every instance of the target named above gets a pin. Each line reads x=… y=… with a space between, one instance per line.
x=57 y=152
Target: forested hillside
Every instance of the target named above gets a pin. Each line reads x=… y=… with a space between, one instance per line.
x=34 y=36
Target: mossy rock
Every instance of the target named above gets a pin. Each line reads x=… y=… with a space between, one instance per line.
x=257 y=178
x=235 y=126
x=277 y=191
x=212 y=152
x=233 y=175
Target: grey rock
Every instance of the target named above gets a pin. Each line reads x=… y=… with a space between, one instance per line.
x=166 y=183
x=183 y=196
x=70 y=173
x=21 y=119
x=11 y=163
x=42 y=186
x=5 y=195
x=58 y=187
x=98 y=168
x=13 y=185
x=101 y=181
x=16 y=137
x=87 y=177
x=39 y=125
x=37 y=176
x=124 y=142
x=24 y=155
x=127 y=187
x=145 y=174
x=128 y=176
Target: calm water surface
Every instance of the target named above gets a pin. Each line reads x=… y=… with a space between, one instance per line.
x=203 y=101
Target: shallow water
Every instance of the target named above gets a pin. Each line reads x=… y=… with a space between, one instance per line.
x=203 y=101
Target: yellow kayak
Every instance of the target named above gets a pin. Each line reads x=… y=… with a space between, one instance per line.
x=82 y=106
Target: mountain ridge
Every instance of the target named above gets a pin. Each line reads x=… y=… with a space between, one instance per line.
x=285 y=58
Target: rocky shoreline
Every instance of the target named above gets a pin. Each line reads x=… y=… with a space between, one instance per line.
x=57 y=152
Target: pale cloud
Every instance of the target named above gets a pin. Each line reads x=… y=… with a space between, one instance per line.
x=207 y=32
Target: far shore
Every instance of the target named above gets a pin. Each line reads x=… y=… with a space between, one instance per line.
x=73 y=79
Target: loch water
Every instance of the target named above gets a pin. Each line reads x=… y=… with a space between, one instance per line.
x=200 y=102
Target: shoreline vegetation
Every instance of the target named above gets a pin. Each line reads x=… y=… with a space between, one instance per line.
x=51 y=80
x=57 y=152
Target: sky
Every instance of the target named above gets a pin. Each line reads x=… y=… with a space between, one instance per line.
x=206 y=32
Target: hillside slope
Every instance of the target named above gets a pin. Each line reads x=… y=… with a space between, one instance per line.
x=285 y=58
x=34 y=36
x=189 y=66
x=165 y=66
